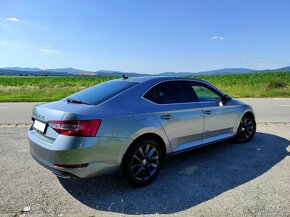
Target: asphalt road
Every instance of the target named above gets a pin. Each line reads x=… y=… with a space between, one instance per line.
x=266 y=109
x=270 y=109
x=224 y=179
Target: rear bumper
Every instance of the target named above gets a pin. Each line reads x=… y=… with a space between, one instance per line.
x=58 y=173
x=99 y=156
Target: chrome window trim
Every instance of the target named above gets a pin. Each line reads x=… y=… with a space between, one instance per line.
x=189 y=80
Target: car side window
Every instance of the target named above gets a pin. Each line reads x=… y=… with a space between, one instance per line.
x=170 y=92
x=204 y=93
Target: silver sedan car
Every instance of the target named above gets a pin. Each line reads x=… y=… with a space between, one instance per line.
x=129 y=125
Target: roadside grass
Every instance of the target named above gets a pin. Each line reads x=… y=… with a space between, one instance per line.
x=50 y=88
x=252 y=85
x=43 y=89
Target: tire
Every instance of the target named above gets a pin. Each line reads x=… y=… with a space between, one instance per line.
x=246 y=129
x=142 y=162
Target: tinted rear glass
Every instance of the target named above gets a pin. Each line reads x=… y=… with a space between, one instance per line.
x=170 y=92
x=101 y=92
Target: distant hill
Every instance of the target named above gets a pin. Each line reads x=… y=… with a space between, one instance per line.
x=68 y=70
x=176 y=74
x=22 y=69
x=284 y=69
x=219 y=71
x=32 y=73
x=118 y=73
x=226 y=71
x=78 y=72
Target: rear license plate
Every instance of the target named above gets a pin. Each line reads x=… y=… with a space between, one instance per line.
x=39 y=126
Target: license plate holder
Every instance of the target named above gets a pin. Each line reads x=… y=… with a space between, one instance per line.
x=39 y=126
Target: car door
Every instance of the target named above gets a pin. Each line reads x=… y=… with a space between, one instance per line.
x=219 y=116
x=173 y=105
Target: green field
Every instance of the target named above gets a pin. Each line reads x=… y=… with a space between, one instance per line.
x=252 y=85
x=44 y=89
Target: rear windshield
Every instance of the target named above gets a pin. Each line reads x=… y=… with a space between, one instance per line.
x=101 y=92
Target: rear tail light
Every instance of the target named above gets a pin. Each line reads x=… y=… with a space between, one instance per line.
x=76 y=128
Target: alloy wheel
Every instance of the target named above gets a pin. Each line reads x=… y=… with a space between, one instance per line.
x=145 y=162
x=246 y=129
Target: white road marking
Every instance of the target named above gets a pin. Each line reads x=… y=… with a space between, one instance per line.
x=278 y=99
x=3 y=107
x=284 y=105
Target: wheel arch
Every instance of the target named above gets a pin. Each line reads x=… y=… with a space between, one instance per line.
x=249 y=110
x=242 y=110
x=239 y=136
x=158 y=137
x=154 y=137
x=249 y=113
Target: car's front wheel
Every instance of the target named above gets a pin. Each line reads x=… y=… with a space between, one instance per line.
x=142 y=162
x=247 y=129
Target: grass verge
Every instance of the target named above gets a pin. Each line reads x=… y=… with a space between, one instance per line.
x=45 y=89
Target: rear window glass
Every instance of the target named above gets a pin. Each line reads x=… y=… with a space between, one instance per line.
x=170 y=92
x=101 y=92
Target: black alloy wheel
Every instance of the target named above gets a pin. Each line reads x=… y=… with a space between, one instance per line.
x=142 y=163
x=247 y=129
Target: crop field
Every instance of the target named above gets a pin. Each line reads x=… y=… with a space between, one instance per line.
x=43 y=89
x=49 y=88
x=252 y=85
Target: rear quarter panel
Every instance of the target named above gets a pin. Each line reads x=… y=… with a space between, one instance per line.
x=129 y=128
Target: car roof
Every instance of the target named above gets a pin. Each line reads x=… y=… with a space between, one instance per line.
x=157 y=79
x=142 y=79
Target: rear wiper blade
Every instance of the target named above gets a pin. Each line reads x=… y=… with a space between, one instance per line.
x=76 y=101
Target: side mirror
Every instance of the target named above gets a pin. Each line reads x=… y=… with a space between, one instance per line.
x=227 y=98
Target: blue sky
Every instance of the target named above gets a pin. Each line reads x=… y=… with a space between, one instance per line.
x=145 y=36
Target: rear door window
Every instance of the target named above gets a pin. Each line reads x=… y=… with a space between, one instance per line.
x=170 y=92
x=102 y=92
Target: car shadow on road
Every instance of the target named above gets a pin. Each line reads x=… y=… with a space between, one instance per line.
x=185 y=180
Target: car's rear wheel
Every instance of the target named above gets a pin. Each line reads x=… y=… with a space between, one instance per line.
x=247 y=129
x=142 y=162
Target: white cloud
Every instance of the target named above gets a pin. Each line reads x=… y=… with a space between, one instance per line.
x=217 y=38
x=5 y=23
x=49 y=50
x=13 y=19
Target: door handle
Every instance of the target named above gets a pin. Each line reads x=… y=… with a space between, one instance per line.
x=165 y=117
x=208 y=112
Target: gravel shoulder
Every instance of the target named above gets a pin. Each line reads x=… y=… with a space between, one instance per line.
x=224 y=179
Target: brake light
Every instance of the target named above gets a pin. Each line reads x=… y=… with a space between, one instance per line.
x=87 y=128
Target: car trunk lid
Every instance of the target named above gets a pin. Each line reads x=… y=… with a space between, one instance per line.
x=56 y=111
